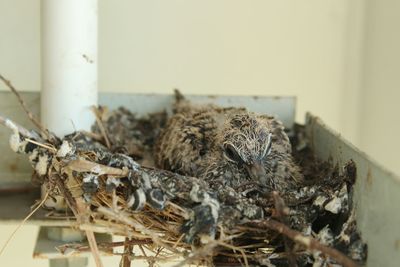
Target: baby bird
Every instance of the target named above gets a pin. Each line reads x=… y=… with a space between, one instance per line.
x=229 y=146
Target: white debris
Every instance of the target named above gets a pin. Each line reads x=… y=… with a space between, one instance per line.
x=343 y=194
x=340 y=199
x=334 y=206
x=343 y=236
x=305 y=240
x=307 y=231
x=90 y=178
x=267 y=261
x=194 y=193
x=318 y=261
x=325 y=236
x=305 y=192
x=42 y=165
x=97 y=169
x=33 y=156
x=15 y=142
x=65 y=149
x=213 y=204
x=114 y=181
x=319 y=201
x=15 y=139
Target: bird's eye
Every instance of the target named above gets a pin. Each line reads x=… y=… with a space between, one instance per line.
x=231 y=154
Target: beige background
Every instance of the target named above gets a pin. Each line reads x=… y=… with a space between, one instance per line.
x=340 y=58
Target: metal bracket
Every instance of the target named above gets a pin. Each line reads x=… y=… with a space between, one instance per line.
x=50 y=238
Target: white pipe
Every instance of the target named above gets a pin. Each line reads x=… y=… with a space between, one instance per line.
x=69 y=68
x=69 y=64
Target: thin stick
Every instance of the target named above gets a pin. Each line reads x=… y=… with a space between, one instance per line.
x=51 y=148
x=126 y=258
x=24 y=106
x=153 y=258
x=281 y=211
x=94 y=136
x=23 y=222
x=82 y=248
x=78 y=208
x=82 y=165
x=93 y=247
x=53 y=177
x=89 y=234
x=144 y=254
x=101 y=126
x=178 y=241
x=308 y=242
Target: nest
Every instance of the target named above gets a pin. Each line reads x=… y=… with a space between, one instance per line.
x=109 y=183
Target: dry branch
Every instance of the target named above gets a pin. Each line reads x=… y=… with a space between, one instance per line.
x=105 y=245
x=82 y=165
x=281 y=212
x=34 y=120
x=100 y=124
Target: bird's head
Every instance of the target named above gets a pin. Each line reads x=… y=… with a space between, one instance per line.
x=247 y=142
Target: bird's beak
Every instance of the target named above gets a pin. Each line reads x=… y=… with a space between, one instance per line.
x=257 y=172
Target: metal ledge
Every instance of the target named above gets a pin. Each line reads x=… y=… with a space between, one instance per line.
x=45 y=247
x=15 y=206
x=376 y=195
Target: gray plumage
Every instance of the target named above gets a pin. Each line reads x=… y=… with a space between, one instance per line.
x=230 y=146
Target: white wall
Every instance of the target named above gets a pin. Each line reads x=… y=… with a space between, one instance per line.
x=20 y=43
x=380 y=119
x=204 y=47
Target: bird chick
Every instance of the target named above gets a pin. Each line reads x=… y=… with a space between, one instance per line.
x=231 y=146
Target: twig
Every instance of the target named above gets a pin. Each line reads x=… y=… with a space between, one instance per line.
x=35 y=121
x=81 y=217
x=23 y=222
x=126 y=259
x=105 y=228
x=101 y=126
x=105 y=245
x=51 y=148
x=308 y=242
x=94 y=136
x=281 y=211
x=78 y=208
x=64 y=192
x=82 y=165
x=151 y=263
x=166 y=259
